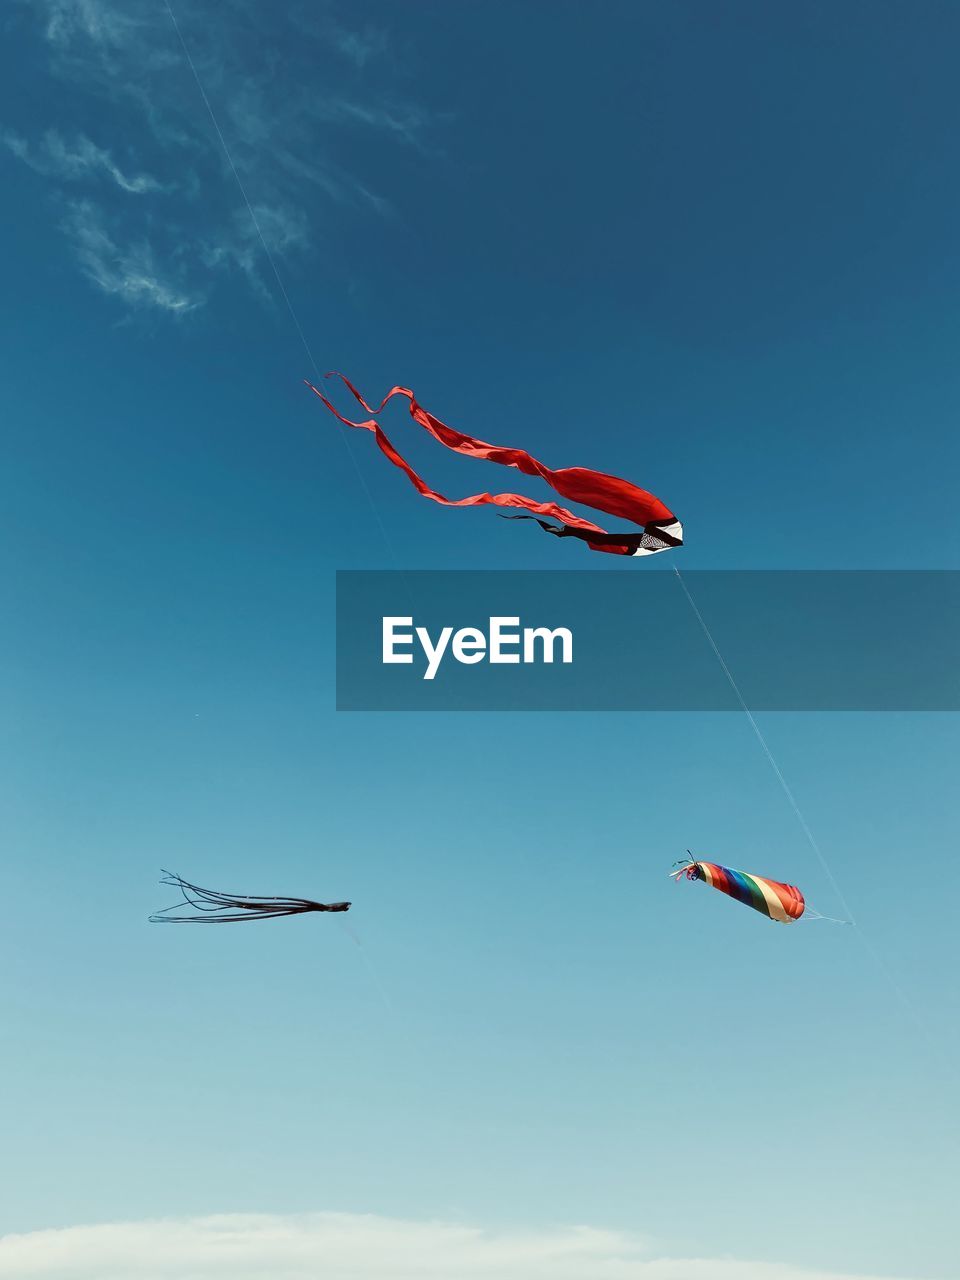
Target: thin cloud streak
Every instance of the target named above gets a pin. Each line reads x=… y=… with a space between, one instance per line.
x=360 y=46
x=129 y=273
x=282 y=230
x=56 y=158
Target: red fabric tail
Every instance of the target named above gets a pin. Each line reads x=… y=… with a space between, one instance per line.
x=595 y=489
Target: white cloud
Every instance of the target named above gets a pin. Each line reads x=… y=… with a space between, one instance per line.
x=360 y=46
x=129 y=273
x=242 y=245
x=57 y=158
x=94 y=20
x=282 y=123
x=339 y=1246
x=403 y=121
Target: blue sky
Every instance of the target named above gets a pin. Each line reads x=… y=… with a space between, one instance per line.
x=709 y=248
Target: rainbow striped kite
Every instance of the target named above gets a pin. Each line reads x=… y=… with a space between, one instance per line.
x=781 y=902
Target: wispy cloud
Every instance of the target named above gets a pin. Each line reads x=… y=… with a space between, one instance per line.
x=93 y=20
x=404 y=121
x=285 y=132
x=56 y=158
x=130 y=272
x=242 y=244
x=363 y=1247
x=360 y=46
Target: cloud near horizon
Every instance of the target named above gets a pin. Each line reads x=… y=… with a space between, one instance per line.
x=358 y=1247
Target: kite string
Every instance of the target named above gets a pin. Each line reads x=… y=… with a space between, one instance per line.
x=368 y=964
x=778 y=772
x=811 y=916
x=878 y=959
x=273 y=265
x=397 y=1024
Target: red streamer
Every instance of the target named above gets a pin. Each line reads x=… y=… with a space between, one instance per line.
x=595 y=489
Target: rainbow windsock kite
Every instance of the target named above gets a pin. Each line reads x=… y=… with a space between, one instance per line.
x=781 y=902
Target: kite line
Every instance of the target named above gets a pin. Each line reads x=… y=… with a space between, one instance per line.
x=805 y=826
x=368 y=963
x=273 y=265
x=771 y=759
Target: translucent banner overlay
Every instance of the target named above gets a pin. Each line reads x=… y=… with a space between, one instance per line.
x=792 y=640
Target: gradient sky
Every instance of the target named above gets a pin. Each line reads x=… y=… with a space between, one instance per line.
x=712 y=248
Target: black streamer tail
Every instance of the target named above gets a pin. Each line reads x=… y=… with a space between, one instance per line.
x=208 y=906
x=652 y=537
